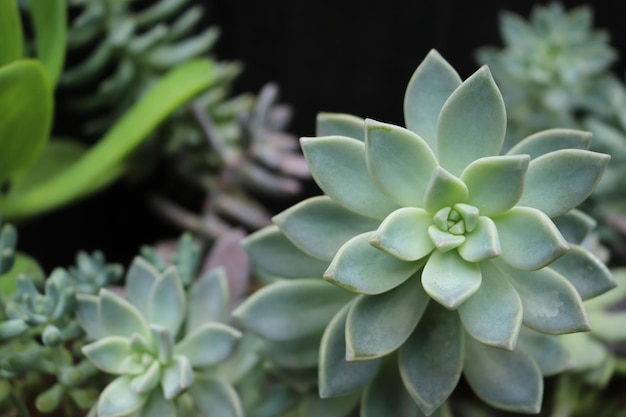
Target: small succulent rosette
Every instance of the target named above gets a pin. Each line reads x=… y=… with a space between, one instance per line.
x=159 y=341
x=447 y=250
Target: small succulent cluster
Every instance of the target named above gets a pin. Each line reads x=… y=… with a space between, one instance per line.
x=455 y=257
x=548 y=68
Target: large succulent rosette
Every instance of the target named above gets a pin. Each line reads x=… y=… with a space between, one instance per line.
x=449 y=251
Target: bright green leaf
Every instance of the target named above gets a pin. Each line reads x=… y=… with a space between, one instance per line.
x=287 y=310
x=472 y=123
x=377 y=325
x=339 y=124
x=49 y=23
x=493 y=315
x=559 y=181
x=444 y=190
x=319 y=226
x=495 y=183
x=551 y=140
x=399 y=162
x=431 y=360
x=12 y=45
x=337 y=376
x=430 y=86
x=360 y=267
x=338 y=166
x=404 y=234
x=449 y=279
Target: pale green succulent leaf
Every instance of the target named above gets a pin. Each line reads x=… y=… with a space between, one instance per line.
x=145 y=382
x=338 y=166
x=610 y=298
x=157 y=405
x=609 y=326
x=482 y=242
x=140 y=280
x=444 y=241
x=585 y=353
x=386 y=393
x=319 y=226
x=450 y=279
x=119 y=400
x=514 y=29
x=493 y=315
x=506 y=380
x=119 y=317
x=472 y=123
x=287 y=310
x=216 y=398
x=575 y=226
x=547 y=350
x=528 y=238
x=444 y=190
x=177 y=377
x=271 y=251
x=551 y=140
x=337 y=376
x=404 y=234
x=360 y=267
x=293 y=354
x=340 y=124
x=108 y=353
x=209 y=344
x=167 y=301
x=495 y=183
x=584 y=271
x=551 y=304
x=378 y=325
x=87 y=307
x=559 y=181
x=163 y=341
x=314 y=406
x=399 y=162
x=431 y=360
x=208 y=300
x=430 y=86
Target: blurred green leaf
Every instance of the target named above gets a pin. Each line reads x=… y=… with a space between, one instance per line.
x=50 y=25
x=12 y=45
x=24 y=264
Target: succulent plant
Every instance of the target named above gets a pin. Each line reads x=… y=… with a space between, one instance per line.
x=158 y=341
x=548 y=68
x=447 y=249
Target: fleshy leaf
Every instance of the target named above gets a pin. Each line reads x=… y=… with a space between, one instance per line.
x=148 y=379
x=546 y=350
x=360 y=267
x=119 y=317
x=167 y=301
x=88 y=316
x=444 y=190
x=118 y=399
x=575 y=226
x=109 y=353
x=177 y=377
x=378 y=325
x=559 y=181
x=495 y=183
x=216 y=398
x=449 y=279
x=404 y=234
x=314 y=406
x=551 y=140
x=12 y=46
x=49 y=23
x=528 y=238
x=444 y=241
x=506 y=380
x=140 y=280
x=493 y=315
x=270 y=250
x=338 y=166
x=584 y=271
x=386 y=393
x=472 y=123
x=431 y=360
x=551 y=303
x=319 y=226
x=208 y=299
x=340 y=124
x=209 y=344
x=287 y=310
x=293 y=354
x=482 y=242
x=399 y=162
x=336 y=375
x=430 y=86
x=157 y=405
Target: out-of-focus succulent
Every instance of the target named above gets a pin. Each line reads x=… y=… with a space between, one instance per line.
x=548 y=68
x=8 y=241
x=432 y=213
x=158 y=341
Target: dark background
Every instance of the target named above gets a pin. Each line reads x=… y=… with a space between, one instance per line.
x=339 y=56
